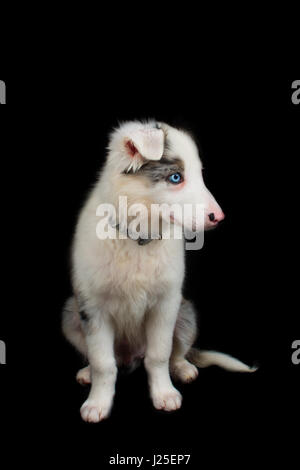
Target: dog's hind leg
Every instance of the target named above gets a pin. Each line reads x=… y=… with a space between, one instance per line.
x=71 y=326
x=184 y=357
x=73 y=332
x=184 y=337
x=84 y=376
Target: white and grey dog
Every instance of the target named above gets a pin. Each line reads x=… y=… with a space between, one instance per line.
x=127 y=302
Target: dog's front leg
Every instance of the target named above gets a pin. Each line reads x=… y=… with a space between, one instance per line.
x=99 y=335
x=159 y=332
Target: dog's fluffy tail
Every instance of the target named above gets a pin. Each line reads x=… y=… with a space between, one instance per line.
x=212 y=358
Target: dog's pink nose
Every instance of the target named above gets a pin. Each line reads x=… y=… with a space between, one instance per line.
x=216 y=217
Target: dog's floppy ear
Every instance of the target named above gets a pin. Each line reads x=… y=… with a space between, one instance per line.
x=145 y=143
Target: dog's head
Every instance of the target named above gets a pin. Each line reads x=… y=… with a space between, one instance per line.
x=155 y=163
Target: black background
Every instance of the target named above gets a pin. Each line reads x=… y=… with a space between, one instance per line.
x=54 y=134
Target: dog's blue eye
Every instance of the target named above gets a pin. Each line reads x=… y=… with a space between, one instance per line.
x=176 y=178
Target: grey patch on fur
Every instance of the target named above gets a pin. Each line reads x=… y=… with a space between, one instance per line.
x=159 y=170
x=83 y=316
x=80 y=302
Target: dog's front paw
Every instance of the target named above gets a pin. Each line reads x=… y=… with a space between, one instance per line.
x=168 y=400
x=93 y=411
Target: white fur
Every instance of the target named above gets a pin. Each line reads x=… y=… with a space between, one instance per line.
x=130 y=293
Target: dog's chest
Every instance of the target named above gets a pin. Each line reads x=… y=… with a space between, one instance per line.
x=147 y=266
x=136 y=276
x=139 y=270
